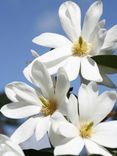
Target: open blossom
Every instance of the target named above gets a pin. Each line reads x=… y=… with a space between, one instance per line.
x=85 y=126
x=8 y=147
x=38 y=104
x=74 y=54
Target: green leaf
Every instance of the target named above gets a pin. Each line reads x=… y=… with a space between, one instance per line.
x=108 y=62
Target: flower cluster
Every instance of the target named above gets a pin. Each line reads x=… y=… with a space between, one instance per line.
x=68 y=122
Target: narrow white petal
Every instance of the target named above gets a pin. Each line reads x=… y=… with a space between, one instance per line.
x=25 y=131
x=42 y=79
x=111 y=38
x=32 y=143
x=97 y=43
x=23 y=92
x=98 y=27
x=20 y=110
x=9 y=148
x=87 y=96
x=73 y=147
x=27 y=72
x=51 y=40
x=93 y=148
x=62 y=84
x=104 y=105
x=10 y=93
x=55 y=56
x=42 y=127
x=70 y=17
x=101 y=23
x=72 y=109
x=34 y=53
x=89 y=69
x=72 y=66
x=110 y=43
x=92 y=18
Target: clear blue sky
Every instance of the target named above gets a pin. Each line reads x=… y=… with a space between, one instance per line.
x=22 y=20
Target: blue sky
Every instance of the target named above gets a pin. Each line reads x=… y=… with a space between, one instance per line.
x=22 y=20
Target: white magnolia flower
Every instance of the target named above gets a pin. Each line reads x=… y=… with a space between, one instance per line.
x=8 y=147
x=39 y=104
x=86 y=127
x=74 y=54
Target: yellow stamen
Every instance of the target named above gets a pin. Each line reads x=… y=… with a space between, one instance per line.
x=48 y=106
x=81 y=47
x=86 y=130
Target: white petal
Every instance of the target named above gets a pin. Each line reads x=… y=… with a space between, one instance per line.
x=20 y=110
x=57 y=116
x=52 y=59
x=55 y=56
x=72 y=66
x=73 y=147
x=98 y=42
x=56 y=120
x=34 y=53
x=51 y=40
x=87 y=96
x=72 y=109
x=104 y=105
x=27 y=72
x=42 y=79
x=70 y=17
x=32 y=143
x=60 y=126
x=110 y=43
x=25 y=131
x=54 y=134
x=89 y=69
x=88 y=101
x=8 y=147
x=101 y=23
x=99 y=26
x=62 y=84
x=23 y=92
x=42 y=127
x=10 y=93
x=106 y=134
x=61 y=88
x=91 y=19
x=67 y=130
x=53 y=68
x=94 y=148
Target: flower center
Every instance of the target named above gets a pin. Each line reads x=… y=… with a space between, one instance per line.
x=86 y=130
x=81 y=47
x=48 y=106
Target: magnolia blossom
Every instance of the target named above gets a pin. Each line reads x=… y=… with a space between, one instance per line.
x=74 y=54
x=85 y=126
x=8 y=147
x=38 y=104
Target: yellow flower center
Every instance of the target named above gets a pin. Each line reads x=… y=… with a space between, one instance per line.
x=86 y=130
x=81 y=47
x=48 y=106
